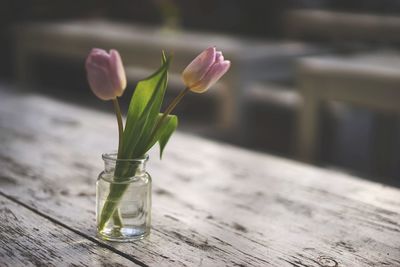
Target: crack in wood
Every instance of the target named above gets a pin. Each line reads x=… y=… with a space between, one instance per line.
x=203 y=246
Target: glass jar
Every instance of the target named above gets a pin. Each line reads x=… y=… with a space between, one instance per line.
x=123 y=199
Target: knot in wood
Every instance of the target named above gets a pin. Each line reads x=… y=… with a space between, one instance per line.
x=327 y=262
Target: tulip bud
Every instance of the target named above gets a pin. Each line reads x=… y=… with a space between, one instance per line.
x=105 y=73
x=205 y=70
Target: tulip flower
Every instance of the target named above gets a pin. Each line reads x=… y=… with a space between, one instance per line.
x=205 y=70
x=105 y=73
x=107 y=79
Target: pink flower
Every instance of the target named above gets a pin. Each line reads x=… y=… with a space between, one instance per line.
x=105 y=73
x=205 y=70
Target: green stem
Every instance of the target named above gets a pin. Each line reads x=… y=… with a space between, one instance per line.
x=117 y=218
x=116 y=212
x=110 y=207
x=169 y=109
x=120 y=125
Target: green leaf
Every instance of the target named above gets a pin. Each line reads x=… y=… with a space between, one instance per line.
x=164 y=132
x=143 y=111
x=163 y=57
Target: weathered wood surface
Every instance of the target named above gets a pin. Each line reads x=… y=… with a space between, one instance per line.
x=213 y=204
x=27 y=239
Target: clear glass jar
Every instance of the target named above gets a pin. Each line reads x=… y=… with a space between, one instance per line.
x=123 y=199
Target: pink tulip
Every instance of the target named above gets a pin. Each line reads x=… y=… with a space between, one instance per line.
x=205 y=70
x=105 y=73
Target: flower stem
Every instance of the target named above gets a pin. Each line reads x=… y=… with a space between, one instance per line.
x=120 y=125
x=169 y=109
x=116 y=213
x=110 y=208
x=117 y=218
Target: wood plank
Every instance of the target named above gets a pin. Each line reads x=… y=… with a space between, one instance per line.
x=28 y=239
x=214 y=204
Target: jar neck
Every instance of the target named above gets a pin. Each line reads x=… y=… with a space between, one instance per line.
x=124 y=168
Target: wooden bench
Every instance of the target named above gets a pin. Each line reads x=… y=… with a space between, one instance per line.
x=369 y=80
x=271 y=112
x=141 y=46
x=213 y=204
x=342 y=27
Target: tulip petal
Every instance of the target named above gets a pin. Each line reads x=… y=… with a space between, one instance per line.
x=98 y=50
x=195 y=71
x=99 y=82
x=105 y=73
x=212 y=76
x=118 y=76
x=99 y=58
x=219 y=57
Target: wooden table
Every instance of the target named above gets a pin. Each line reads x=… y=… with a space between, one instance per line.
x=213 y=204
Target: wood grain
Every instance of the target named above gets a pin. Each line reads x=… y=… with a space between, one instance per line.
x=214 y=204
x=27 y=239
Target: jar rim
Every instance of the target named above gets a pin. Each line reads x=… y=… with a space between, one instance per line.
x=113 y=157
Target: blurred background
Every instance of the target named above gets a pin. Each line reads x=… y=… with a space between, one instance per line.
x=312 y=80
